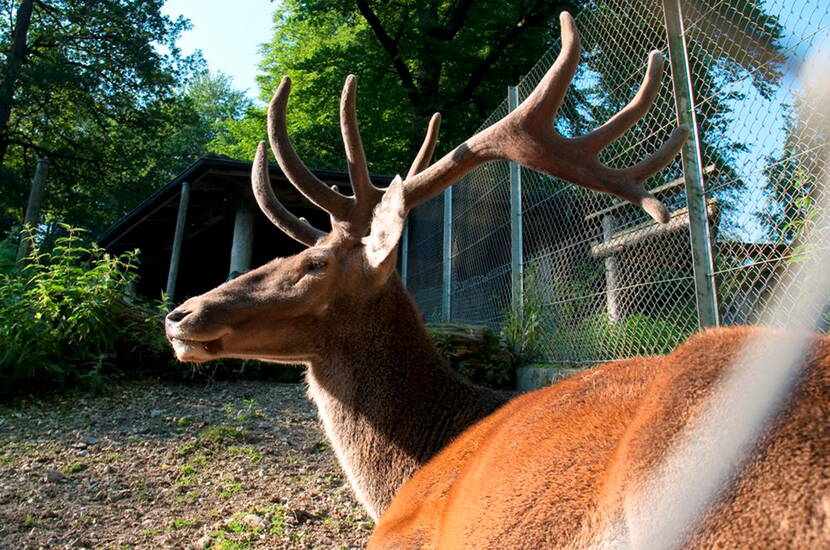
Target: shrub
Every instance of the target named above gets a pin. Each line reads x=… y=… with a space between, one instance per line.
x=64 y=319
x=477 y=352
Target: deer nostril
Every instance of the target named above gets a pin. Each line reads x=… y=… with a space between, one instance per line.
x=177 y=315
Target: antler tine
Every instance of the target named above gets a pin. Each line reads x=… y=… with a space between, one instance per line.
x=546 y=99
x=526 y=136
x=268 y=202
x=424 y=155
x=307 y=183
x=355 y=156
x=598 y=139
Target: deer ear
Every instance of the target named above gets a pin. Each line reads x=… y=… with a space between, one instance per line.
x=387 y=225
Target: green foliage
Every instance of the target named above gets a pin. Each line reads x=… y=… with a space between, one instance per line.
x=477 y=352
x=523 y=327
x=63 y=315
x=596 y=339
x=793 y=176
x=104 y=93
x=411 y=59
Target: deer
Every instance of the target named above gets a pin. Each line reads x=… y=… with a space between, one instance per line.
x=437 y=461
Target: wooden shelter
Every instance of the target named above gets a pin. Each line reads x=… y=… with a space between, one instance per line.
x=204 y=227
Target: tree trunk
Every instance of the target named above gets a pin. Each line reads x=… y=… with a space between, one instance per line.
x=11 y=71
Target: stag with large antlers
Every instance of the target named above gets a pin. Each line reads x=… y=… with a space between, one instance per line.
x=530 y=473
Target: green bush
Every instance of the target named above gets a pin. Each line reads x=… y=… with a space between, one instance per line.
x=63 y=315
x=477 y=352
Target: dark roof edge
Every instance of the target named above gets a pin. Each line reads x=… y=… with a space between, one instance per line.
x=196 y=169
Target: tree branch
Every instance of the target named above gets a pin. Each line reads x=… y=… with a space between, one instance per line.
x=523 y=23
x=391 y=47
x=457 y=14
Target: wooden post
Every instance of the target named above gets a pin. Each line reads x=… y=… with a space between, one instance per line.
x=178 y=238
x=243 y=237
x=609 y=225
x=33 y=207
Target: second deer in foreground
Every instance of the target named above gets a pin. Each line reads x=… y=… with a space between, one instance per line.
x=388 y=402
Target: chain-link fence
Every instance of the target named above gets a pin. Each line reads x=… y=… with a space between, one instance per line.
x=599 y=279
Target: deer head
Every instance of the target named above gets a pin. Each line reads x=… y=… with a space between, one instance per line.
x=287 y=310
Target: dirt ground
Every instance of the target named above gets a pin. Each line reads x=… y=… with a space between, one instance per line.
x=233 y=465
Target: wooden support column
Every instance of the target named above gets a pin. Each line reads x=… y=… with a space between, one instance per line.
x=178 y=238
x=32 y=217
x=243 y=237
x=609 y=225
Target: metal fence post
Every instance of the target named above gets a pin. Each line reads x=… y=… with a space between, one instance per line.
x=446 y=287
x=516 y=259
x=703 y=264
x=405 y=252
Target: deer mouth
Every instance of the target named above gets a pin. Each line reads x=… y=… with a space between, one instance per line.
x=195 y=351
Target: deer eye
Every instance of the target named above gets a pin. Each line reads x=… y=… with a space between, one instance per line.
x=316 y=265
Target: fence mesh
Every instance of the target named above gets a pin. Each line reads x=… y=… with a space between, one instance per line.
x=601 y=280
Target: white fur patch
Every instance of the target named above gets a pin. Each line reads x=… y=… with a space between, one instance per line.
x=387 y=224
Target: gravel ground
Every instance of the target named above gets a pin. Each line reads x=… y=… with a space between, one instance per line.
x=232 y=466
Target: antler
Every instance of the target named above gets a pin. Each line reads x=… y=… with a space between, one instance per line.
x=353 y=214
x=526 y=136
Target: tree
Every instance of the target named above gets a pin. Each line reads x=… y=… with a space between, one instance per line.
x=94 y=87
x=411 y=58
x=794 y=175
x=218 y=104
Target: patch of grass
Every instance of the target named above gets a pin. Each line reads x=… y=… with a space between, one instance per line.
x=237 y=534
x=75 y=466
x=224 y=544
x=319 y=447
x=29 y=521
x=187 y=448
x=7 y=460
x=149 y=533
x=188 y=498
x=189 y=471
x=278 y=516
x=141 y=491
x=249 y=409
x=180 y=523
x=252 y=454
x=222 y=433
x=231 y=488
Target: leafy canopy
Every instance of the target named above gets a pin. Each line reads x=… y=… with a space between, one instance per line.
x=411 y=59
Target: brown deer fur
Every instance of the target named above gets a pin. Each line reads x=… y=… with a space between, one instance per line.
x=387 y=400
x=553 y=468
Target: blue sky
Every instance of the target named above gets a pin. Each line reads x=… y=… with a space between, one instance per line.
x=228 y=33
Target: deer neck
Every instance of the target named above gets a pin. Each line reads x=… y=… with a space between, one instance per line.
x=387 y=400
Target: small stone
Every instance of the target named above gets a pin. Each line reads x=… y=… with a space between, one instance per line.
x=155 y=412
x=89 y=440
x=253 y=521
x=54 y=476
x=202 y=543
